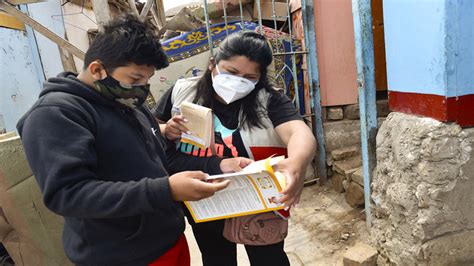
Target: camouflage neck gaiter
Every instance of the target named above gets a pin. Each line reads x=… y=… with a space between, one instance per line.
x=129 y=95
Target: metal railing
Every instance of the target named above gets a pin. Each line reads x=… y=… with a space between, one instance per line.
x=309 y=53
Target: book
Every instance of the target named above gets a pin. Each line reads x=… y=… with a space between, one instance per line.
x=253 y=190
x=200 y=125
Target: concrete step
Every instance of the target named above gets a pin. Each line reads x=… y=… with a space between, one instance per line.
x=354 y=194
x=348 y=173
x=13 y=163
x=343 y=133
x=345 y=152
x=352 y=111
x=358 y=176
x=337 y=182
x=348 y=165
x=340 y=134
x=360 y=255
x=335 y=113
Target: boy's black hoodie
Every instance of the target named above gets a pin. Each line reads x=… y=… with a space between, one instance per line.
x=103 y=167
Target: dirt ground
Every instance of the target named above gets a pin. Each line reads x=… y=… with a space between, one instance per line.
x=321 y=229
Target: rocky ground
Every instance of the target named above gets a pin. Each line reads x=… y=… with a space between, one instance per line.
x=322 y=228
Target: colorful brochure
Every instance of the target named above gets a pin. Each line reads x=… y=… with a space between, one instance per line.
x=253 y=190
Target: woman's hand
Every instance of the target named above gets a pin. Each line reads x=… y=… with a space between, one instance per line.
x=175 y=126
x=301 y=146
x=294 y=172
x=236 y=164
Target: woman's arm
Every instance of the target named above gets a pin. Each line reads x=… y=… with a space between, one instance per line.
x=301 y=146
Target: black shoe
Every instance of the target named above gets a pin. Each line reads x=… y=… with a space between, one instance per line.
x=6 y=261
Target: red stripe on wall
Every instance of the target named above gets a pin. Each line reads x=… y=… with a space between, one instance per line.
x=461 y=110
x=453 y=109
x=418 y=104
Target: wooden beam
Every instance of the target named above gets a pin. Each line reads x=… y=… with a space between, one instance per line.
x=146 y=9
x=157 y=19
x=23 y=2
x=133 y=7
x=42 y=30
x=85 y=3
x=9 y=21
x=158 y=11
x=67 y=59
x=102 y=13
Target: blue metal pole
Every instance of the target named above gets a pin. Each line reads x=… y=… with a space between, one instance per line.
x=208 y=29
x=307 y=10
x=364 y=49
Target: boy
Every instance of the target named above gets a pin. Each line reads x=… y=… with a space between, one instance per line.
x=99 y=159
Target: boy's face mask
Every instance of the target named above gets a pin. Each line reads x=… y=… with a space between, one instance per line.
x=129 y=95
x=230 y=87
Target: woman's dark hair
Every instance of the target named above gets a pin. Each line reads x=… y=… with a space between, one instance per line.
x=256 y=48
x=126 y=40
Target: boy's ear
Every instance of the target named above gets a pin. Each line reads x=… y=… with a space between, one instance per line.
x=96 y=70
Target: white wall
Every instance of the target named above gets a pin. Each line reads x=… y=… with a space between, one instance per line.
x=20 y=84
x=26 y=59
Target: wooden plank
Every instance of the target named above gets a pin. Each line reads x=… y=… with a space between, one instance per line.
x=67 y=59
x=23 y=2
x=158 y=11
x=85 y=3
x=102 y=12
x=133 y=7
x=42 y=29
x=379 y=46
x=146 y=9
x=9 y=21
x=266 y=10
x=157 y=19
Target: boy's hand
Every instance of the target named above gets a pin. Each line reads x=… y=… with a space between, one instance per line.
x=190 y=186
x=236 y=164
x=175 y=126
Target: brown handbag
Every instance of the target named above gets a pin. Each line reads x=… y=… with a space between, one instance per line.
x=256 y=229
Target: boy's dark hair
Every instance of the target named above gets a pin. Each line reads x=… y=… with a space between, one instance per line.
x=126 y=40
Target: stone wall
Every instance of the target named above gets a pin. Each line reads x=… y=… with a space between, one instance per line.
x=342 y=143
x=29 y=231
x=342 y=126
x=2 y=125
x=423 y=189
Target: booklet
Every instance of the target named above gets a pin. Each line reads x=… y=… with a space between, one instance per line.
x=253 y=190
x=200 y=124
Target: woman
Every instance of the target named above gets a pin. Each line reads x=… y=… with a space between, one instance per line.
x=252 y=120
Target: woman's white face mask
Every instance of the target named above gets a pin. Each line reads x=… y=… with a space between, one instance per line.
x=230 y=87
